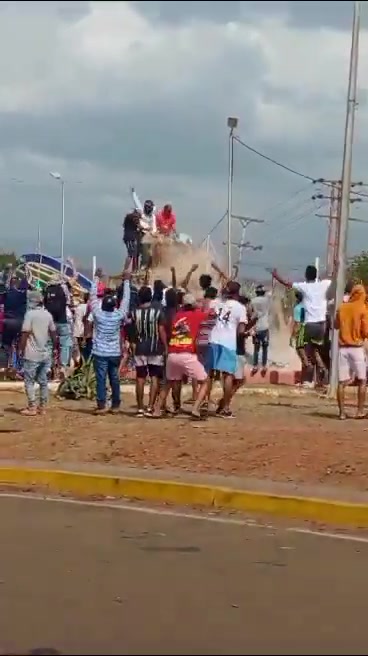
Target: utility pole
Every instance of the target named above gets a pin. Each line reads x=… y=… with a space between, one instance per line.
x=232 y=124
x=331 y=255
x=345 y=189
x=334 y=198
x=245 y=221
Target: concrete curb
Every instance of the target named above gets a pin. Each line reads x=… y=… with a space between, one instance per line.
x=167 y=491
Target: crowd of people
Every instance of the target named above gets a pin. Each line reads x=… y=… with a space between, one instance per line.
x=315 y=317
x=171 y=335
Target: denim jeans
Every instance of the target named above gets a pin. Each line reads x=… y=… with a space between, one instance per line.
x=65 y=342
x=261 y=341
x=107 y=367
x=36 y=372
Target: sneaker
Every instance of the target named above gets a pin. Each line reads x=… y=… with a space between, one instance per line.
x=140 y=413
x=149 y=412
x=226 y=414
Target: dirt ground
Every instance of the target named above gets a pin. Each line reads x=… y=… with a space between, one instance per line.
x=295 y=439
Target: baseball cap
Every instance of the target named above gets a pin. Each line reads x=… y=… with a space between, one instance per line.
x=189 y=299
x=35 y=298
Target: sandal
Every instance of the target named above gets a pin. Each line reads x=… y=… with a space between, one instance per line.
x=29 y=412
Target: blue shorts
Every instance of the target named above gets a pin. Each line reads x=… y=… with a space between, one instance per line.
x=220 y=358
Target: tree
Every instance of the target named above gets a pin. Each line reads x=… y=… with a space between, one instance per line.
x=358 y=268
x=7 y=258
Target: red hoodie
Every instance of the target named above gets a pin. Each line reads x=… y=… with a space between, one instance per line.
x=166 y=222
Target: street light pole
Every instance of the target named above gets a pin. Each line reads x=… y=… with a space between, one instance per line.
x=62 y=226
x=58 y=177
x=345 y=190
x=232 y=123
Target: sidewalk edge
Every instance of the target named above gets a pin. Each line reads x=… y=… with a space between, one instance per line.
x=167 y=491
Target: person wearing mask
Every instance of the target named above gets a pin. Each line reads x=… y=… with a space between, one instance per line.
x=182 y=360
x=149 y=345
x=166 y=221
x=132 y=237
x=261 y=306
x=231 y=320
x=316 y=294
x=147 y=212
x=37 y=331
x=106 y=344
x=148 y=226
x=352 y=323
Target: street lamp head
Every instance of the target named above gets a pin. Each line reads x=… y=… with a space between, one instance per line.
x=232 y=122
x=55 y=175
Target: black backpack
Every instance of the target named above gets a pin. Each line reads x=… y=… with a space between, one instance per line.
x=55 y=303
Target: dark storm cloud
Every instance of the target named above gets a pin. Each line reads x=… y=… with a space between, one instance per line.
x=64 y=9
x=306 y=14
x=183 y=133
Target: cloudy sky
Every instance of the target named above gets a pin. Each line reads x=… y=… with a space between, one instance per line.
x=114 y=94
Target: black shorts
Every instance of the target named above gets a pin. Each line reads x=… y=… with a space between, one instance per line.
x=152 y=366
x=12 y=328
x=314 y=333
x=132 y=247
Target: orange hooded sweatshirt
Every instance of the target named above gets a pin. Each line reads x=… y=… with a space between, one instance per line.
x=352 y=319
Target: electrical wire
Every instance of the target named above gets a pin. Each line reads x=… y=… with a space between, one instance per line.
x=276 y=162
x=262 y=216
x=292 y=170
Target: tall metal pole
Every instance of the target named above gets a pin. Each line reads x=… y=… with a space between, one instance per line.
x=345 y=189
x=62 y=227
x=332 y=229
x=38 y=239
x=230 y=199
x=232 y=123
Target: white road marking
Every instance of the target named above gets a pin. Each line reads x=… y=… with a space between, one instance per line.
x=249 y=523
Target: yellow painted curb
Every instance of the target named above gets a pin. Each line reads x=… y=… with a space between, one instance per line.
x=91 y=485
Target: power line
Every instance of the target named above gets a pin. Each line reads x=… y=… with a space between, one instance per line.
x=276 y=162
x=292 y=170
x=262 y=216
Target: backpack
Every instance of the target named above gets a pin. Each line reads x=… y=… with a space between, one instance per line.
x=55 y=303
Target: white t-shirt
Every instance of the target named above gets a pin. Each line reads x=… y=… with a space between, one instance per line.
x=79 y=315
x=314 y=299
x=229 y=314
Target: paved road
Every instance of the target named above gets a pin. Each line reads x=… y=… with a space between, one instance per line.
x=93 y=580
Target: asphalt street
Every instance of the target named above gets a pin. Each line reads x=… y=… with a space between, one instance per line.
x=77 y=579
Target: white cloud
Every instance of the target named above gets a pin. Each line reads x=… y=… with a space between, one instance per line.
x=287 y=85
